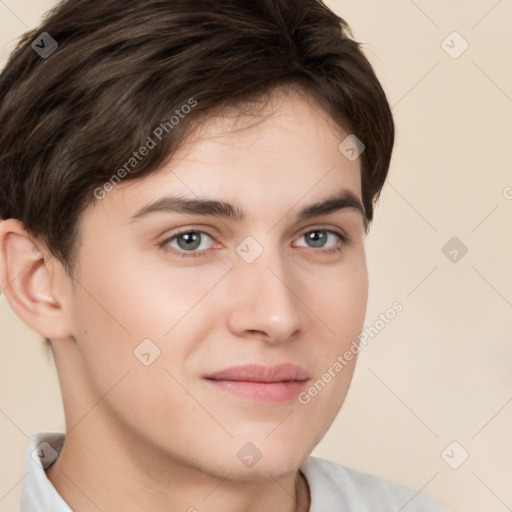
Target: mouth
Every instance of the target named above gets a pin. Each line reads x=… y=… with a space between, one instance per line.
x=274 y=384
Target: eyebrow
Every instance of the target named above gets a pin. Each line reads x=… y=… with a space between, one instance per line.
x=344 y=199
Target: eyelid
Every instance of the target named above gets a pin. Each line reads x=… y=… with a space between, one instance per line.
x=332 y=229
x=192 y=229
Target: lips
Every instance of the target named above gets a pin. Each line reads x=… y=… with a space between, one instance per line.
x=260 y=373
x=270 y=384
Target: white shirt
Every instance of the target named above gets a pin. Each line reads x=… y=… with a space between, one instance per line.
x=333 y=487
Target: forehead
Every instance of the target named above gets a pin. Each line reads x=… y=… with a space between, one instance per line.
x=290 y=111
x=278 y=156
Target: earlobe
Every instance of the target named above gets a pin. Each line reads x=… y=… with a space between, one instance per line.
x=27 y=281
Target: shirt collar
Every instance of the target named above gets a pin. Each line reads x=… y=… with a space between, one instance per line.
x=329 y=486
x=37 y=492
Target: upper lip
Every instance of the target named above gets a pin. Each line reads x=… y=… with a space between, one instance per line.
x=261 y=373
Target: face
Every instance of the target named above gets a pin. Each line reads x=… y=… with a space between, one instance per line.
x=164 y=298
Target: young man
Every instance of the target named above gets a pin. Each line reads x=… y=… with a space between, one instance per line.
x=185 y=189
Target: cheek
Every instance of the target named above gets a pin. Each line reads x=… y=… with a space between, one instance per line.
x=112 y=314
x=341 y=307
x=338 y=296
x=135 y=300
x=120 y=325
x=119 y=307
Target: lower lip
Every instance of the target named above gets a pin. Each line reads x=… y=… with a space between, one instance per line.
x=261 y=391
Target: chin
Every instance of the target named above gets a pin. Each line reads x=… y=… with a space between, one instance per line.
x=262 y=471
x=274 y=461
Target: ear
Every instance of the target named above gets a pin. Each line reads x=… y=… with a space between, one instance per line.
x=31 y=282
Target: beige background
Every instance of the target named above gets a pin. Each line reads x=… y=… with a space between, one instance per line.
x=441 y=371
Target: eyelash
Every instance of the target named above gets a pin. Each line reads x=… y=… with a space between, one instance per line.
x=195 y=254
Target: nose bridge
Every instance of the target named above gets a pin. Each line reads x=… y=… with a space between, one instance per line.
x=266 y=299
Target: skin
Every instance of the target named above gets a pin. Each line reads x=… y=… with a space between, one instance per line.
x=156 y=437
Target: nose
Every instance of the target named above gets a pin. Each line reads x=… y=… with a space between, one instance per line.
x=265 y=299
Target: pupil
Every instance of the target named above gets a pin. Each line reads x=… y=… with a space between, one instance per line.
x=189 y=237
x=315 y=237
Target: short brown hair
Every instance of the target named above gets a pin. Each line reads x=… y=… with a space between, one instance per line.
x=122 y=67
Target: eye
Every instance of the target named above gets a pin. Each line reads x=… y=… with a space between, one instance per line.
x=317 y=238
x=187 y=242
x=190 y=243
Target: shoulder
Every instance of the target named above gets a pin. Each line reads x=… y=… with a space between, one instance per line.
x=334 y=484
